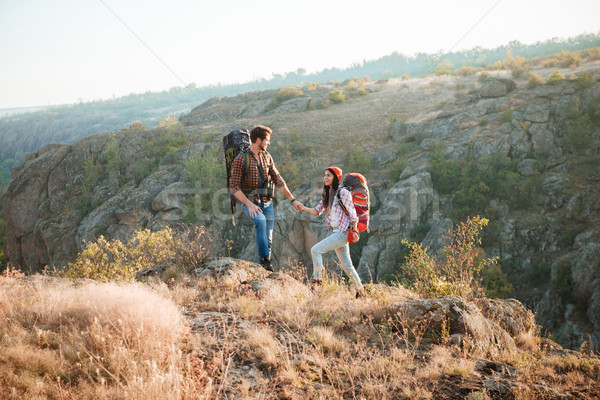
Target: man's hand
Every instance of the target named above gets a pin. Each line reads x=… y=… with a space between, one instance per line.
x=299 y=206
x=254 y=210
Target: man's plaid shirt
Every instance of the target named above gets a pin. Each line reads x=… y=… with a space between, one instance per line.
x=343 y=220
x=249 y=182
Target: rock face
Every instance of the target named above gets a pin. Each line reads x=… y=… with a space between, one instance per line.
x=402 y=208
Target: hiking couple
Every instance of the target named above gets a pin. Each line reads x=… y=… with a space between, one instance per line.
x=248 y=185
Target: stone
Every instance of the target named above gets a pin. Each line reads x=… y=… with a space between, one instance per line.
x=171 y=201
x=453 y=315
x=403 y=132
x=537 y=110
x=496 y=87
x=383 y=157
x=542 y=138
x=527 y=167
x=510 y=314
x=519 y=143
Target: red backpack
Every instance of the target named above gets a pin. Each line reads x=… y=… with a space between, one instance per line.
x=357 y=185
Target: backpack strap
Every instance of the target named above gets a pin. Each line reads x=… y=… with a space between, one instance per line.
x=341 y=203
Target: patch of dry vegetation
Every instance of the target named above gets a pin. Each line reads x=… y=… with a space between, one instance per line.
x=205 y=337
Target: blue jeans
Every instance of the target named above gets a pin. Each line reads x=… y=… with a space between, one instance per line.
x=339 y=242
x=263 y=223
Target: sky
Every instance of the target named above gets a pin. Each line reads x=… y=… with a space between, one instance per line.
x=67 y=51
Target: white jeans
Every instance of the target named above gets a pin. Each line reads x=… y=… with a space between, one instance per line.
x=339 y=242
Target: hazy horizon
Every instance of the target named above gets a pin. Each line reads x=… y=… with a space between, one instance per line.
x=66 y=52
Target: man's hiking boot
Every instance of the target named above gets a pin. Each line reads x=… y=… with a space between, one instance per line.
x=360 y=293
x=266 y=263
x=316 y=282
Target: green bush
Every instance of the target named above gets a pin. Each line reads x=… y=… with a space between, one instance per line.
x=562 y=282
x=534 y=80
x=336 y=97
x=459 y=270
x=144 y=169
x=355 y=88
x=555 y=78
x=495 y=282
x=484 y=122
x=585 y=80
x=113 y=260
x=506 y=116
x=206 y=174
x=396 y=169
x=473 y=182
x=358 y=161
x=483 y=76
x=580 y=135
x=445 y=67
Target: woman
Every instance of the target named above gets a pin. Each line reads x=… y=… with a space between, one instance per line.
x=338 y=223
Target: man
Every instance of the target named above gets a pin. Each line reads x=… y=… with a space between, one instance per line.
x=254 y=188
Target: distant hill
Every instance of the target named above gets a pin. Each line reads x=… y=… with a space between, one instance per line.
x=22 y=133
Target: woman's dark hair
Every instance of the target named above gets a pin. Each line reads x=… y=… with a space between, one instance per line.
x=329 y=194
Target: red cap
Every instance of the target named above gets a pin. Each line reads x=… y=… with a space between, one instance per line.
x=337 y=172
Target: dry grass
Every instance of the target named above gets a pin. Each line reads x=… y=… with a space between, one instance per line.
x=65 y=339
x=89 y=340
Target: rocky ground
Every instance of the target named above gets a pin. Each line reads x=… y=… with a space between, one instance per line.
x=270 y=336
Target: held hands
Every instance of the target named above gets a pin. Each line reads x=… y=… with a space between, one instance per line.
x=299 y=206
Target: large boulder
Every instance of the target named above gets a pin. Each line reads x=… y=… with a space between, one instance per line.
x=496 y=87
x=453 y=318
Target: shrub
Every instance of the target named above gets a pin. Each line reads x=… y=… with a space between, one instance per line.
x=585 y=80
x=562 y=282
x=355 y=88
x=484 y=122
x=483 y=76
x=458 y=272
x=568 y=59
x=396 y=169
x=496 y=283
x=466 y=70
x=288 y=93
x=285 y=93
x=336 y=97
x=506 y=116
x=113 y=260
x=534 y=80
x=555 y=78
x=580 y=135
x=443 y=68
x=358 y=161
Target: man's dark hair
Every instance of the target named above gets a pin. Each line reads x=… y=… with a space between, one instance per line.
x=261 y=132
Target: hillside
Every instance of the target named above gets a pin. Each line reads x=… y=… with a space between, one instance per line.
x=522 y=151
x=24 y=132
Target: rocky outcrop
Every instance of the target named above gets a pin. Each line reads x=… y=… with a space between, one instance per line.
x=402 y=208
x=490 y=332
